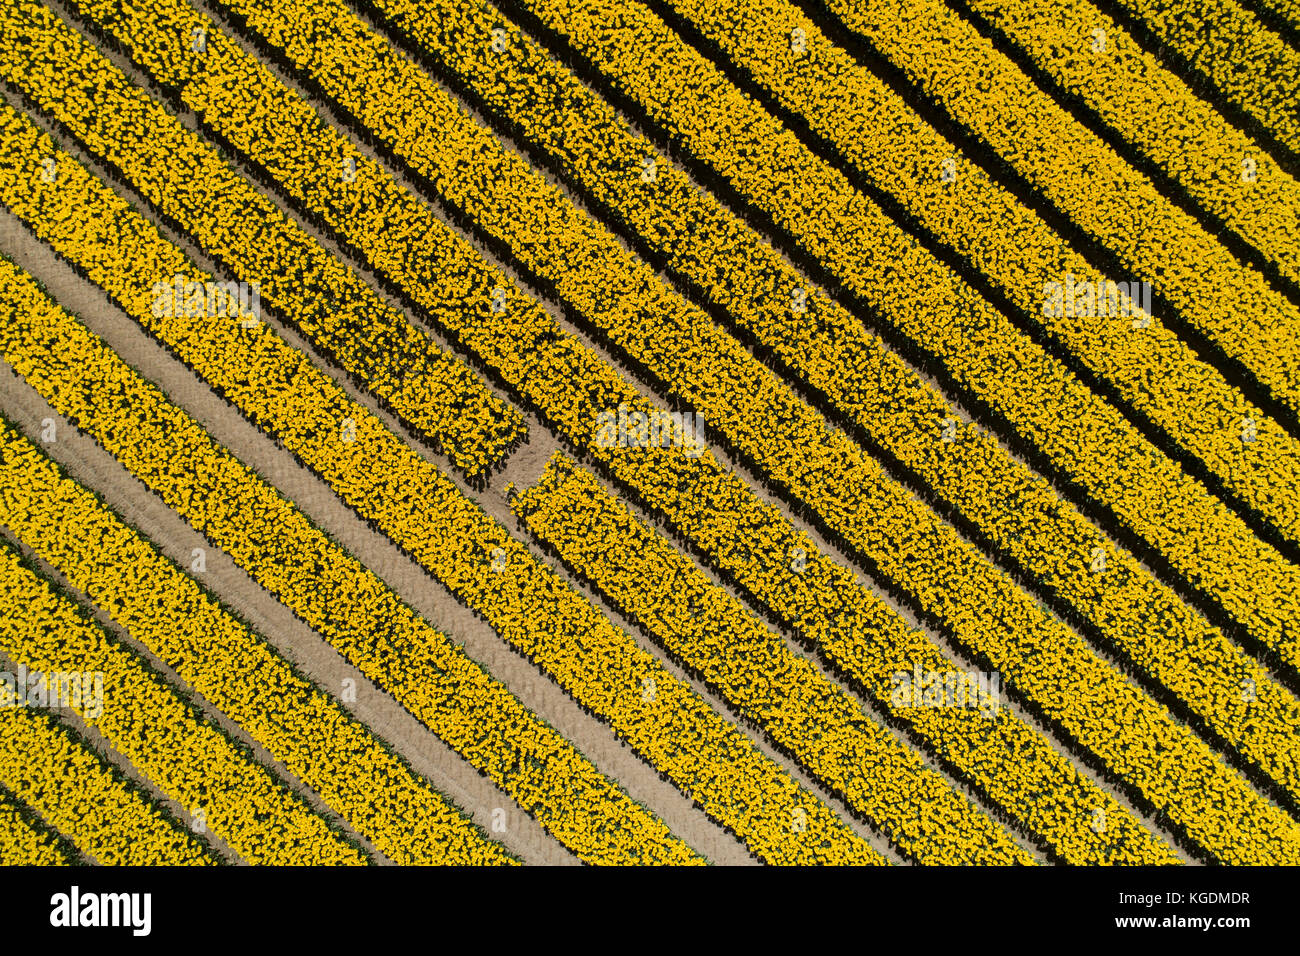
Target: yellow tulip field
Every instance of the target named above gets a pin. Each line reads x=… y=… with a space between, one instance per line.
x=660 y=432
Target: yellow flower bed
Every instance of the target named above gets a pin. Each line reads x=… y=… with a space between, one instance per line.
x=574 y=254
x=702 y=625
x=713 y=636
x=1289 y=10
x=1010 y=245
x=990 y=96
x=220 y=657
x=105 y=816
x=188 y=757
x=831 y=351
x=1250 y=65
x=1154 y=111
x=422 y=511
x=1089 y=441
x=447 y=402
x=24 y=841
x=312 y=575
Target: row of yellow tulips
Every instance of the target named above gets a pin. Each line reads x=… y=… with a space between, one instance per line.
x=524 y=344
x=1154 y=111
x=949 y=195
x=330 y=304
x=1073 y=168
x=26 y=841
x=1250 y=65
x=1088 y=440
x=1288 y=10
